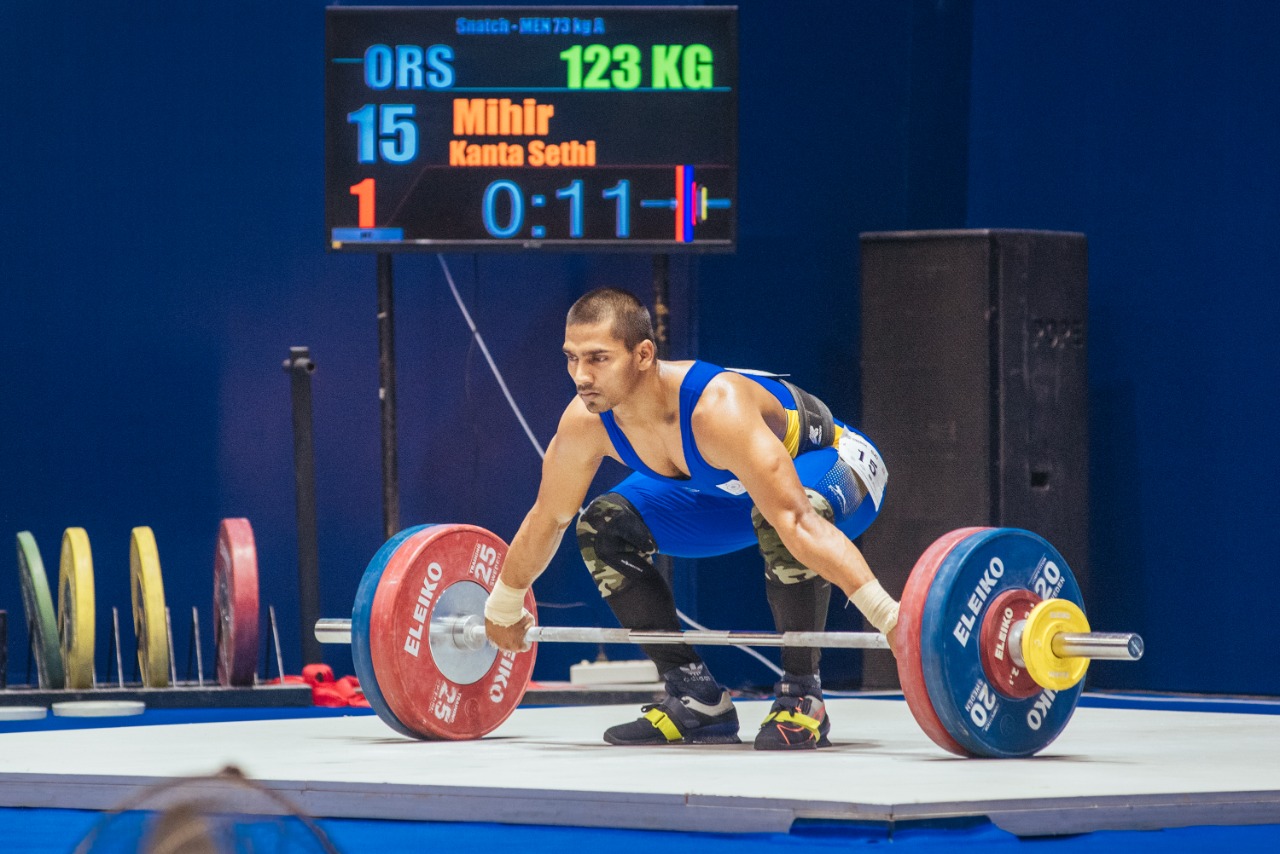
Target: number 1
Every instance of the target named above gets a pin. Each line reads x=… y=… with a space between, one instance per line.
x=364 y=191
x=573 y=193
x=622 y=192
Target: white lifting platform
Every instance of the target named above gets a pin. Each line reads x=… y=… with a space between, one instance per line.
x=1111 y=769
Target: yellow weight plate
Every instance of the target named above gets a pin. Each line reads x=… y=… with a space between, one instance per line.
x=1052 y=617
x=149 y=625
x=75 y=608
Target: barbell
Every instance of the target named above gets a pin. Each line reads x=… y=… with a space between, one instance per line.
x=993 y=639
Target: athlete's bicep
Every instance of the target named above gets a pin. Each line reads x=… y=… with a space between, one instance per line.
x=768 y=473
x=573 y=457
x=733 y=434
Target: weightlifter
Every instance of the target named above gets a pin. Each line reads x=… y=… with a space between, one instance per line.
x=721 y=460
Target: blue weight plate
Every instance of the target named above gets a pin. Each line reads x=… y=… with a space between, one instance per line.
x=978 y=569
x=361 y=655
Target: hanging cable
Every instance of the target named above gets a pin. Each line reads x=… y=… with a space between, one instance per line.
x=457 y=297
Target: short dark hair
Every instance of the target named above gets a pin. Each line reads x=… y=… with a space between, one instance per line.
x=631 y=321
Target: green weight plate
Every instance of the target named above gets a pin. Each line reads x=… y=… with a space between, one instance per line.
x=75 y=608
x=147 y=592
x=37 y=602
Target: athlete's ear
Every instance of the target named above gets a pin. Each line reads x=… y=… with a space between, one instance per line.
x=646 y=352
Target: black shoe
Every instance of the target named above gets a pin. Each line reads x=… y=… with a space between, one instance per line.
x=680 y=720
x=794 y=723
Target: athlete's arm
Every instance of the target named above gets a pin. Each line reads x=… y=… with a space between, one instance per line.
x=571 y=462
x=573 y=456
x=732 y=434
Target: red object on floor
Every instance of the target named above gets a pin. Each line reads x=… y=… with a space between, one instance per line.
x=327 y=691
x=317 y=674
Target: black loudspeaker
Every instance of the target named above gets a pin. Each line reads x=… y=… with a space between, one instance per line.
x=974 y=387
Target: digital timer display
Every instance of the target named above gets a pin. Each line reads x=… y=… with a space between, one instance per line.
x=474 y=128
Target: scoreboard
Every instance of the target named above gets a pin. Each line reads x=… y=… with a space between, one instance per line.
x=567 y=128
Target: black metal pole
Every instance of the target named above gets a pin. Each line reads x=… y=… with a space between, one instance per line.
x=661 y=308
x=300 y=367
x=661 y=287
x=387 y=396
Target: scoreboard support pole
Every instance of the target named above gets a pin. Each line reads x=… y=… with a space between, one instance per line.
x=387 y=396
x=661 y=310
x=661 y=296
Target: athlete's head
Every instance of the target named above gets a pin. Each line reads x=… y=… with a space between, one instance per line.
x=627 y=316
x=609 y=345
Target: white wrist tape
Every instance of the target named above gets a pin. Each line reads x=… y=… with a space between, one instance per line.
x=878 y=607
x=505 y=605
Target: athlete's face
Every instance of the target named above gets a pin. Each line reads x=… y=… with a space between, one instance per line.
x=604 y=371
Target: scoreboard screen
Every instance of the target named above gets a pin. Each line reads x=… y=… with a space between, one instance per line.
x=585 y=128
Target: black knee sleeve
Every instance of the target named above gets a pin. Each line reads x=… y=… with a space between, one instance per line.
x=798 y=596
x=800 y=607
x=618 y=549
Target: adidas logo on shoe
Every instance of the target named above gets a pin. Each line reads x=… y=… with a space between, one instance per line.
x=680 y=720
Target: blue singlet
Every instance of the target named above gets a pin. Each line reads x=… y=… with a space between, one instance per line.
x=709 y=513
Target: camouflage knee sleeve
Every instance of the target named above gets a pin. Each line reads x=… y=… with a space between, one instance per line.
x=615 y=543
x=780 y=566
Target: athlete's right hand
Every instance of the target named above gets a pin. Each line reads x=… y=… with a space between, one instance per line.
x=510 y=638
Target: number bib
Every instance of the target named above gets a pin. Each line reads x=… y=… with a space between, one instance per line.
x=866 y=461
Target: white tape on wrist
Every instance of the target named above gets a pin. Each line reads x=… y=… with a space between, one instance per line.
x=505 y=605
x=880 y=609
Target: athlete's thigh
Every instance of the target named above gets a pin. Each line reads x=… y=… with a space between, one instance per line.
x=686 y=523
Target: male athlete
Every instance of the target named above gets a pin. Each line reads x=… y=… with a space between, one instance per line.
x=722 y=460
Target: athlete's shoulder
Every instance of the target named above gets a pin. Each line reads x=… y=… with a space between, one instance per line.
x=580 y=435
x=727 y=396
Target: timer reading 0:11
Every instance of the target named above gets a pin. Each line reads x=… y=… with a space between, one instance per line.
x=510 y=191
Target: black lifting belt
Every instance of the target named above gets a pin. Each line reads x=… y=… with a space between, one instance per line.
x=817 y=426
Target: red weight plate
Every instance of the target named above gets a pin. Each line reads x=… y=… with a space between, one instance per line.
x=235 y=601
x=424 y=690
x=1006 y=677
x=910 y=668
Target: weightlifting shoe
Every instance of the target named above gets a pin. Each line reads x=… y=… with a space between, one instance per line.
x=798 y=719
x=680 y=720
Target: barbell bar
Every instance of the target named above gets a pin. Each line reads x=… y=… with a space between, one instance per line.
x=469 y=633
